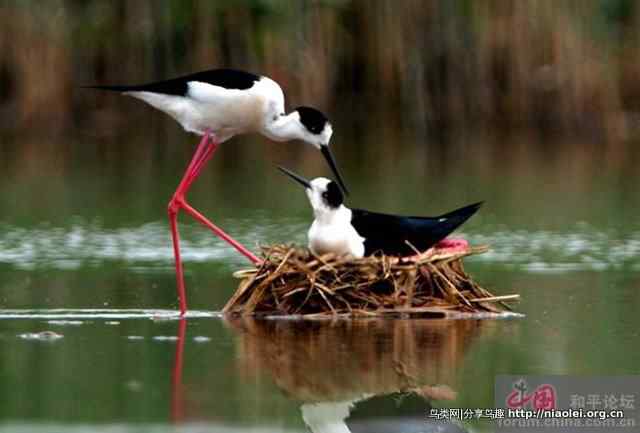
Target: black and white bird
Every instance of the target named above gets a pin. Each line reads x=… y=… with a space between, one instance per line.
x=219 y=104
x=357 y=232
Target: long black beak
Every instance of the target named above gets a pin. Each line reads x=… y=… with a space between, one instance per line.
x=304 y=182
x=326 y=151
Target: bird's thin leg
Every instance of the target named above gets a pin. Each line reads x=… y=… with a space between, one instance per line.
x=220 y=233
x=173 y=208
x=175 y=236
x=203 y=153
x=196 y=159
x=197 y=168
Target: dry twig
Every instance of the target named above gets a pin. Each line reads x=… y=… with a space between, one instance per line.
x=294 y=281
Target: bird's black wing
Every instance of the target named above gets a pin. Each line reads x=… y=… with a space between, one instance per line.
x=389 y=233
x=227 y=78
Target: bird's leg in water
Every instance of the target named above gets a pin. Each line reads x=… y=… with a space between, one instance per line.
x=205 y=150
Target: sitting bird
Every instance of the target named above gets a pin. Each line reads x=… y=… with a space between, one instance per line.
x=358 y=233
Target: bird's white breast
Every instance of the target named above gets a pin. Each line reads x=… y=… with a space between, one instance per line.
x=335 y=236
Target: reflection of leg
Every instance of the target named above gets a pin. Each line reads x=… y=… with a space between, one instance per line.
x=177 y=397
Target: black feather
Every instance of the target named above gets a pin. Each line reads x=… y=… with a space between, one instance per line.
x=227 y=78
x=333 y=195
x=312 y=119
x=389 y=233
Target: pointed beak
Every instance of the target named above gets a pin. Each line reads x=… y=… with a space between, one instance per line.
x=301 y=180
x=326 y=151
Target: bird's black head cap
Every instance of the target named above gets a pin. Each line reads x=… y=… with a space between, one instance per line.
x=312 y=119
x=333 y=195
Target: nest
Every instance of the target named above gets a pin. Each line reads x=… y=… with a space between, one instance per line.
x=295 y=282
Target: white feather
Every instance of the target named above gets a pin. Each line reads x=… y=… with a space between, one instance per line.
x=331 y=231
x=226 y=112
x=327 y=417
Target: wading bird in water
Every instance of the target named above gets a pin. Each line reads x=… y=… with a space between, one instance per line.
x=219 y=104
x=358 y=232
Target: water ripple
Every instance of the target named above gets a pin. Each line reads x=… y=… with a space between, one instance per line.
x=71 y=248
x=149 y=246
x=547 y=251
x=78 y=315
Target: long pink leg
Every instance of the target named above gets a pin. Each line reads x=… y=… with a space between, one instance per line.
x=203 y=153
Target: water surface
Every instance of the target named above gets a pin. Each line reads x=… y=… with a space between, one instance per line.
x=92 y=343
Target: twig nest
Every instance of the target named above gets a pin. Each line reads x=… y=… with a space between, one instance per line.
x=294 y=281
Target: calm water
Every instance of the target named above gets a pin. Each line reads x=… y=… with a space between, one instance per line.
x=85 y=253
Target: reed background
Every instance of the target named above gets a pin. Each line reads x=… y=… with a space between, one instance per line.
x=437 y=67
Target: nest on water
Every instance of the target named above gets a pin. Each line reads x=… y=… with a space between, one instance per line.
x=295 y=282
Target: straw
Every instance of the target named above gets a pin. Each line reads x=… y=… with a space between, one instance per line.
x=294 y=281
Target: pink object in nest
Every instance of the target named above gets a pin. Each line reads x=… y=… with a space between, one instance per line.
x=445 y=246
x=452 y=245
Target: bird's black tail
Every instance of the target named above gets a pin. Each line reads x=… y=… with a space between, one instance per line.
x=116 y=88
x=429 y=231
x=462 y=214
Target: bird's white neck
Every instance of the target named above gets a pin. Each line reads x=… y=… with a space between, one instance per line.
x=283 y=127
x=328 y=216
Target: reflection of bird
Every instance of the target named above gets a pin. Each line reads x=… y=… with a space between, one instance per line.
x=340 y=230
x=378 y=379
x=219 y=104
x=391 y=417
x=328 y=417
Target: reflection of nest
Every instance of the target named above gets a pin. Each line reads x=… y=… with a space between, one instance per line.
x=319 y=361
x=293 y=281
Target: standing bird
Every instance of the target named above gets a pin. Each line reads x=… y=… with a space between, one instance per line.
x=219 y=104
x=356 y=232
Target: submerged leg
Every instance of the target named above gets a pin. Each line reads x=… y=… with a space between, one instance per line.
x=203 y=153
